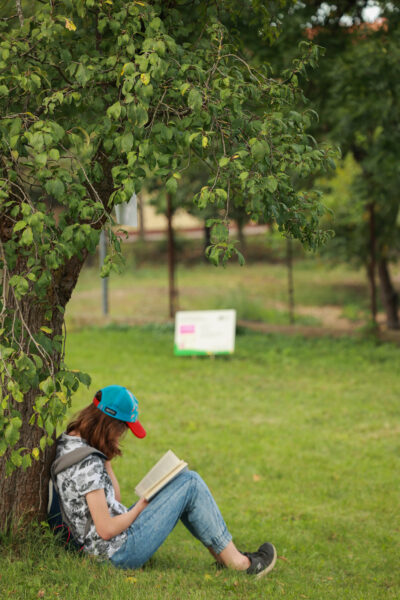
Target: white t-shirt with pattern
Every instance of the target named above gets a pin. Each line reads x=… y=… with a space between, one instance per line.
x=73 y=484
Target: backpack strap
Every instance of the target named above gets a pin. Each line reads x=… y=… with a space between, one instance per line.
x=64 y=462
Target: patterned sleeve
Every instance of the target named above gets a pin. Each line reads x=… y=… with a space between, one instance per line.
x=90 y=475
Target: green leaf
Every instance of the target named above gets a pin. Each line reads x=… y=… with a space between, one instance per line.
x=82 y=75
x=47 y=386
x=184 y=88
x=20 y=284
x=16 y=458
x=171 y=185
x=11 y=432
x=41 y=159
x=27 y=237
x=259 y=150
x=194 y=99
x=155 y=23
x=20 y=225
x=114 y=111
x=271 y=183
x=55 y=187
x=126 y=142
x=26 y=461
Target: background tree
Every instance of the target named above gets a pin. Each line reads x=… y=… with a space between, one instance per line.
x=97 y=96
x=356 y=94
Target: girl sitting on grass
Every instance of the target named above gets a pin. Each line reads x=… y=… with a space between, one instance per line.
x=90 y=496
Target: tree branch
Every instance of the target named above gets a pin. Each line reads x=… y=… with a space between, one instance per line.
x=19 y=12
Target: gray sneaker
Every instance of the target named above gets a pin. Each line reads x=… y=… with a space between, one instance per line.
x=262 y=561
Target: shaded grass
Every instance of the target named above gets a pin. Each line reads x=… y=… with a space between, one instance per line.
x=299 y=440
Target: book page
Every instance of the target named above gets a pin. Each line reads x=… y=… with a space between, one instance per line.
x=167 y=464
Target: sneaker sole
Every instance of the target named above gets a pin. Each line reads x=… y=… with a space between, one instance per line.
x=270 y=566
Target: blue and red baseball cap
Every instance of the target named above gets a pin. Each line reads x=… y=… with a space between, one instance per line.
x=118 y=402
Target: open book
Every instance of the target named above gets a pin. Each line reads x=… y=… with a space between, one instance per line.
x=168 y=467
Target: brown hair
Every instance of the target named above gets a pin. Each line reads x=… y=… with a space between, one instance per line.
x=99 y=430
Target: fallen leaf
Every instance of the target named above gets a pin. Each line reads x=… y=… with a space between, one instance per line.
x=131 y=579
x=283 y=558
x=256 y=478
x=40 y=594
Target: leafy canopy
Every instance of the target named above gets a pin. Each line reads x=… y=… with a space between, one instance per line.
x=96 y=97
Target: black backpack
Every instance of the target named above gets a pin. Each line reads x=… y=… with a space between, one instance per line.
x=56 y=517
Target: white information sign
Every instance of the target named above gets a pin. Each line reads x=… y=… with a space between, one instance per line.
x=205 y=332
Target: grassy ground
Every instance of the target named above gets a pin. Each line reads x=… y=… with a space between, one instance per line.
x=299 y=440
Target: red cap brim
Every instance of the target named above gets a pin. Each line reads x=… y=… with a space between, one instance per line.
x=137 y=429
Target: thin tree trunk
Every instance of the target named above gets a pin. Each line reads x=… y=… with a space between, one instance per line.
x=207 y=240
x=390 y=297
x=241 y=236
x=372 y=262
x=289 y=262
x=141 y=217
x=172 y=291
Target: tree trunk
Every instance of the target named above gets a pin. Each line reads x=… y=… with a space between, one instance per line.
x=207 y=240
x=242 y=239
x=141 y=217
x=172 y=291
x=390 y=297
x=289 y=262
x=24 y=493
x=371 y=268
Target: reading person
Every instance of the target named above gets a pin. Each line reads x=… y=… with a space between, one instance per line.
x=90 y=496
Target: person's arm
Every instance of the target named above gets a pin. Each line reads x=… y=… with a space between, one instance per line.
x=107 y=526
x=114 y=480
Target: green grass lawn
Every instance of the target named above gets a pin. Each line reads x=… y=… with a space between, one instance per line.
x=299 y=440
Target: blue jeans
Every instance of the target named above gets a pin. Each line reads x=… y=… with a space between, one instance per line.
x=187 y=498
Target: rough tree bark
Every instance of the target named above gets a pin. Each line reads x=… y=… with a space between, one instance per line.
x=24 y=493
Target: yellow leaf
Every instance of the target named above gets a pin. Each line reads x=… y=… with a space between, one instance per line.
x=145 y=77
x=204 y=141
x=70 y=25
x=46 y=329
x=207 y=576
x=131 y=579
x=62 y=397
x=35 y=453
x=235 y=156
x=108 y=1
x=140 y=3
